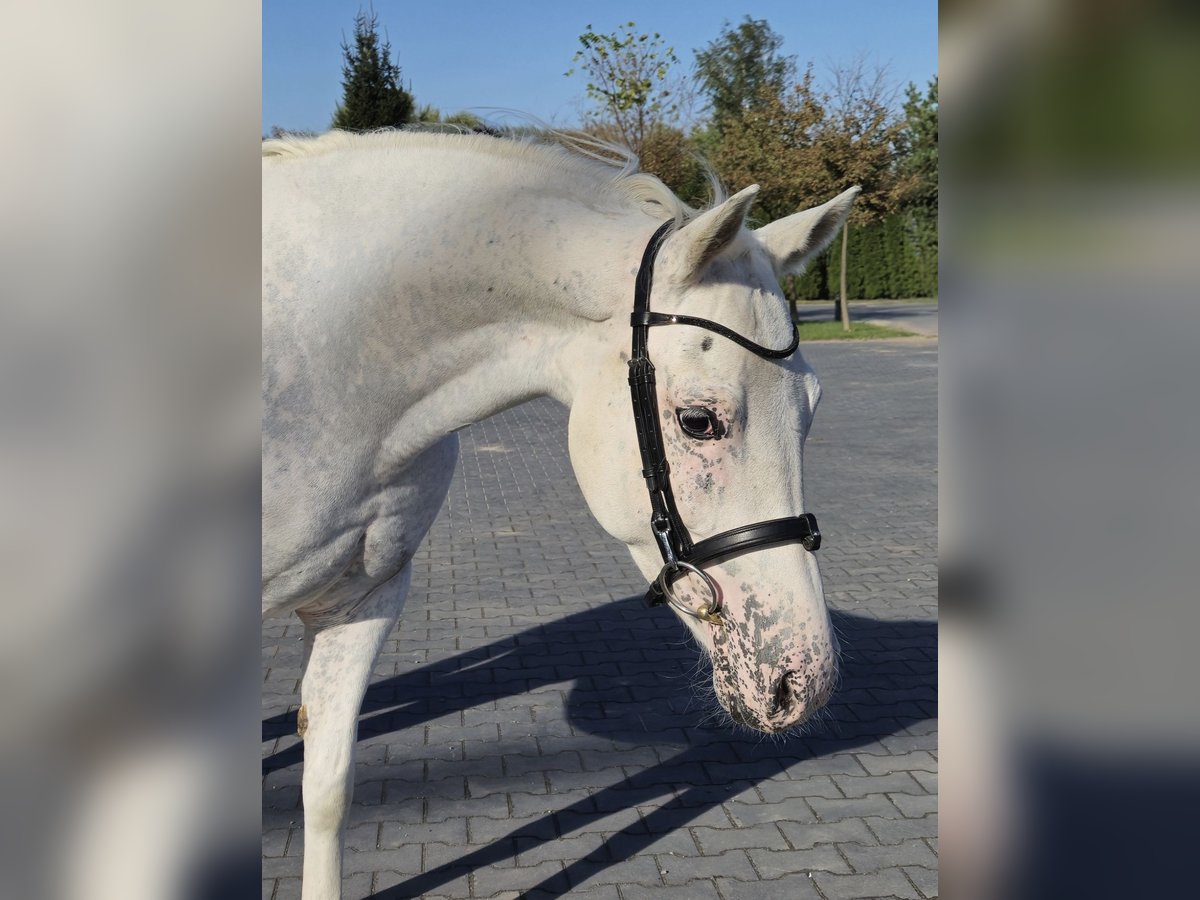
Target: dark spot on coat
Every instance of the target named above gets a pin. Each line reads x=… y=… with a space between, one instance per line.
x=706 y=344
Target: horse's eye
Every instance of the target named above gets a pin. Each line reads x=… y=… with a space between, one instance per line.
x=699 y=422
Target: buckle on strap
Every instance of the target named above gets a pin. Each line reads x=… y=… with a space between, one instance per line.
x=662 y=532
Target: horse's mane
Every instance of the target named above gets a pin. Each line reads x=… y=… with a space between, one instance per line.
x=576 y=156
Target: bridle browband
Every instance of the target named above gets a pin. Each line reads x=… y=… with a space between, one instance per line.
x=680 y=555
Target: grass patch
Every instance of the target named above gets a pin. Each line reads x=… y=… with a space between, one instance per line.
x=859 y=331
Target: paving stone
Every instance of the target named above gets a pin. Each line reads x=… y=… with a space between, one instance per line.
x=678 y=842
x=453 y=886
x=678 y=870
x=281 y=867
x=401 y=859
x=759 y=813
x=362 y=837
x=884 y=883
x=926 y=879
x=858 y=807
x=401 y=834
x=904 y=853
x=274 y=842
x=595 y=760
x=437 y=856
x=927 y=780
x=438 y=809
x=357 y=886
x=590 y=892
x=893 y=830
x=528 y=804
x=861 y=786
x=921 y=760
x=491 y=880
x=915 y=807
x=532 y=851
x=903 y=743
x=627 y=819
x=718 y=840
x=712 y=816
x=485 y=830
x=527 y=783
x=804 y=837
x=789 y=887
x=774 y=863
x=837 y=764
x=693 y=890
x=566 y=761
x=639 y=870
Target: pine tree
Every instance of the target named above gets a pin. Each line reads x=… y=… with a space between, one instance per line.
x=920 y=163
x=921 y=143
x=372 y=96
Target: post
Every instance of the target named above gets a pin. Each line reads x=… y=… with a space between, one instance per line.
x=842 y=278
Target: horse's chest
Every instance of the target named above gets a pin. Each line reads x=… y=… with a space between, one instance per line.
x=340 y=554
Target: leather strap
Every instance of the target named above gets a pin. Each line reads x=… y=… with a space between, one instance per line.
x=802 y=528
x=646 y=318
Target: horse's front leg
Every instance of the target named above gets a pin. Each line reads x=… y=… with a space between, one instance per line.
x=341 y=656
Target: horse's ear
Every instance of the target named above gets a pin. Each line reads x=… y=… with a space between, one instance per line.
x=794 y=240
x=703 y=239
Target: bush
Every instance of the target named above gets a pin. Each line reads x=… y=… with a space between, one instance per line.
x=893 y=259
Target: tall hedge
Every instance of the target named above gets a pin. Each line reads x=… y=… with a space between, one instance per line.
x=895 y=258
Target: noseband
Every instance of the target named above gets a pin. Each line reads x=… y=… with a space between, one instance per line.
x=680 y=555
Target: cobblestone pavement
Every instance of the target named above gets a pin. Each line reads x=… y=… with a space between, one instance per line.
x=532 y=730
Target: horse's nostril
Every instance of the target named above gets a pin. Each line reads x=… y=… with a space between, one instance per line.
x=785 y=695
x=807 y=690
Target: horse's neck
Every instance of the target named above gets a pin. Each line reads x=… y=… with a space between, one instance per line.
x=473 y=308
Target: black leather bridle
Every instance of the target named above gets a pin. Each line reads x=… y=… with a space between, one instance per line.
x=680 y=555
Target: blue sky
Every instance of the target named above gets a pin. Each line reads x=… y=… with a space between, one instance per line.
x=460 y=54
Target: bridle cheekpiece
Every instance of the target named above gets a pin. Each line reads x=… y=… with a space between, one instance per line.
x=680 y=555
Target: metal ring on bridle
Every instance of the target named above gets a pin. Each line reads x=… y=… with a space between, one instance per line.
x=709 y=612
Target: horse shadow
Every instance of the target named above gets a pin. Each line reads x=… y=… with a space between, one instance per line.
x=620 y=659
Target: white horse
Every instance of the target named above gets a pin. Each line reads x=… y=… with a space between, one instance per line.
x=416 y=283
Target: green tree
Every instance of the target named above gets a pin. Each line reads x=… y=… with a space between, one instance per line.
x=741 y=68
x=920 y=164
x=773 y=144
x=278 y=132
x=861 y=144
x=628 y=76
x=863 y=140
x=802 y=146
x=372 y=95
x=920 y=158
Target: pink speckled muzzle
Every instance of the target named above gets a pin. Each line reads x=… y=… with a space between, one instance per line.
x=774 y=654
x=774 y=664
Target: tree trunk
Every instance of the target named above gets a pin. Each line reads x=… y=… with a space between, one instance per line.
x=842 y=278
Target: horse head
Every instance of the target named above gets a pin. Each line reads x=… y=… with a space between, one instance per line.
x=733 y=410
